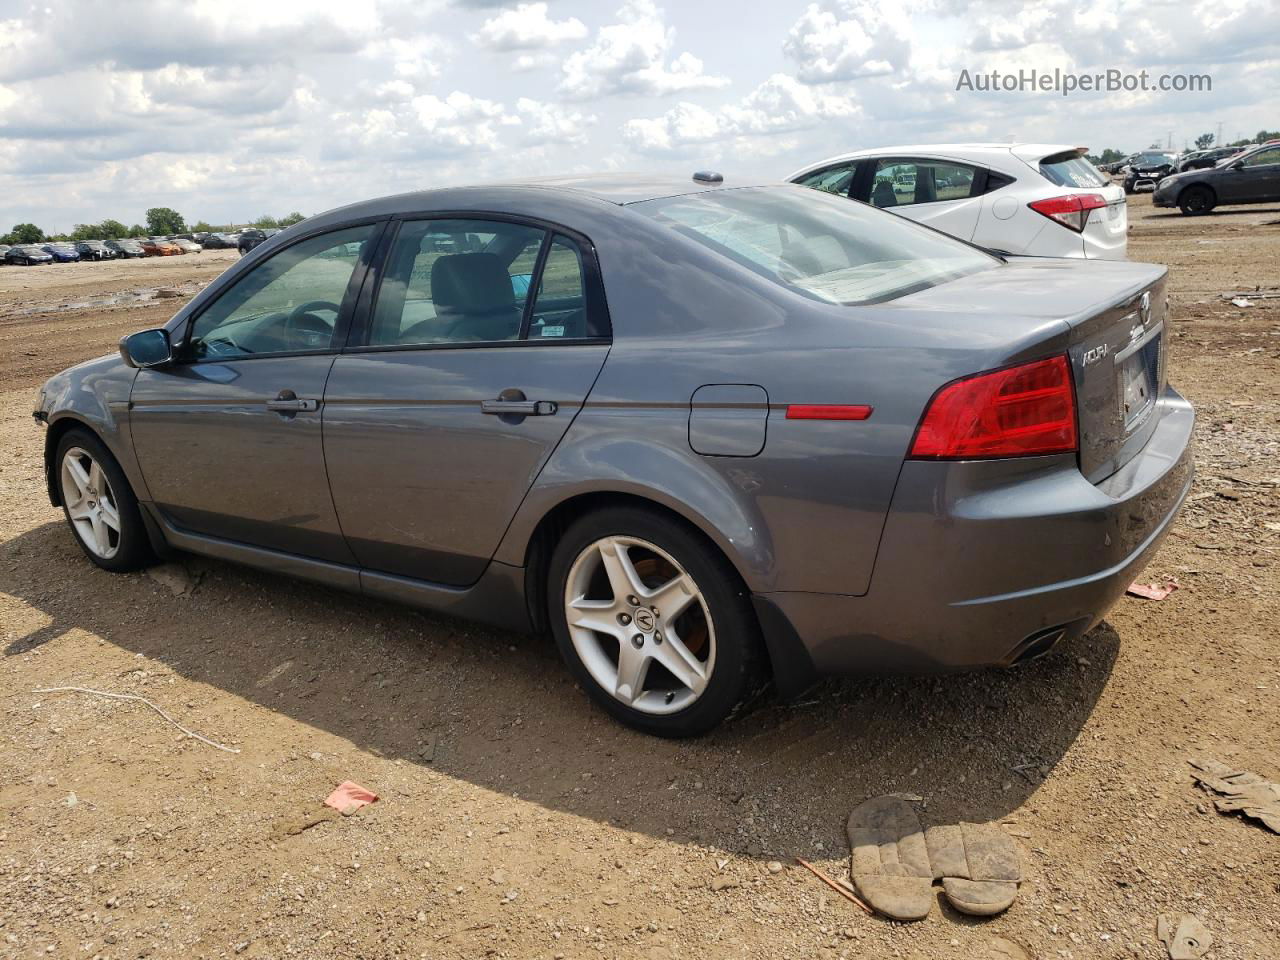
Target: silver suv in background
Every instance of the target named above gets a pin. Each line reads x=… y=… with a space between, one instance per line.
x=1027 y=199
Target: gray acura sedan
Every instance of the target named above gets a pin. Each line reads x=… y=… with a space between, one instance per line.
x=707 y=434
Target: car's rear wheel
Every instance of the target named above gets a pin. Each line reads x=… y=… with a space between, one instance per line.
x=1194 y=201
x=653 y=622
x=99 y=504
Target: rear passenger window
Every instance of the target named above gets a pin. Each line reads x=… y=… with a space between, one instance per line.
x=478 y=281
x=898 y=183
x=455 y=281
x=835 y=180
x=560 y=308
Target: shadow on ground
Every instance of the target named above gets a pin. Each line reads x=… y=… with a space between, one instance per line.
x=498 y=710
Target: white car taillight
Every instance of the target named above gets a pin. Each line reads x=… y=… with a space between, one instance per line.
x=1071 y=210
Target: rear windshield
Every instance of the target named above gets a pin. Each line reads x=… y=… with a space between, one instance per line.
x=1071 y=170
x=825 y=247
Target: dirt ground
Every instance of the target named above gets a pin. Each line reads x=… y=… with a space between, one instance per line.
x=515 y=820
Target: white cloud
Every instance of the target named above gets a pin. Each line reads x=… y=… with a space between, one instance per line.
x=527 y=27
x=548 y=123
x=631 y=57
x=780 y=105
x=846 y=39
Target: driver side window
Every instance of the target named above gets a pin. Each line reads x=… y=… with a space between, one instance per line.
x=288 y=304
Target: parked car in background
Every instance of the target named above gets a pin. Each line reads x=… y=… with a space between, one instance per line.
x=159 y=247
x=93 y=250
x=1147 y=169
x=27 y=255
x=62 y=252
x=220 y=241
x=187 y=246
x=1253 y=177
x=1203 y=159
x=1024 y=198
x=4 y=248
x=854 y=394
x=250 y=238
x=125 y=248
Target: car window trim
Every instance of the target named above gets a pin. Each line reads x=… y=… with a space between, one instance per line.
x=341 y=324
x=535 y=284
x=592 y=279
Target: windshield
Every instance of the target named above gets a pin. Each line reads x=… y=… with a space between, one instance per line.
x=825 y=247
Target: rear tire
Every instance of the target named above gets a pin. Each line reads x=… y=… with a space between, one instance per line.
x=99 y=504
x=1196 y=201
x=677 y=673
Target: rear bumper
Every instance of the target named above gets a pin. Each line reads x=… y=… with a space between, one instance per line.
x=980 y=560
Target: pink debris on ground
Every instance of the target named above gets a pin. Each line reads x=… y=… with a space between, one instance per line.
x=1152 y=591
x=349 y=797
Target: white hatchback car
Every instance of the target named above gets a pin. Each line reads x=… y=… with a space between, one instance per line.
x=1028 y=199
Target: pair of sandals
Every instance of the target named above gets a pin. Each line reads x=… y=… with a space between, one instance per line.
x=896 y=861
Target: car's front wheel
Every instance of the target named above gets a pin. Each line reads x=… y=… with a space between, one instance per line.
x=653 y=622
x=99 y=504
x=1195 y=200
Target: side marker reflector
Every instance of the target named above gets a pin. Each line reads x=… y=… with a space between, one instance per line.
x=821 y=411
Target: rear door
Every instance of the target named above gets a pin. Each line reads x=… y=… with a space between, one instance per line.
x=944 y=194
x=470 y=363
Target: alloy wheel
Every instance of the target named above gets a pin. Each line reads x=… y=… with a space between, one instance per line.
x=91 y=503
x=640 y=624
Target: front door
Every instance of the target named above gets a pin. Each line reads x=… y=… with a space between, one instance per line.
x=228 y=437
x=1258 y=179
x=480 y=350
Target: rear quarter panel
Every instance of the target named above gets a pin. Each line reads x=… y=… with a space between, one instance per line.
x=806 y=513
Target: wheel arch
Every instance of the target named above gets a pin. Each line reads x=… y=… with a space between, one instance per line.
x=787 y=659
x=53 y=436
x=1197 y=185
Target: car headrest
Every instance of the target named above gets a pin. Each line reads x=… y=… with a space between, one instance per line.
x=883 y=194
x=471 y=282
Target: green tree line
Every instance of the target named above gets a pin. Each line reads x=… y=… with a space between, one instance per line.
x=161 y=221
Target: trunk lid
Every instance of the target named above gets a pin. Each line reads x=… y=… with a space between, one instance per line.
x=1109 y=314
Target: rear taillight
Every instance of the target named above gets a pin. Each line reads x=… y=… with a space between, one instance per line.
x=1020 y=411
x=1072 y=210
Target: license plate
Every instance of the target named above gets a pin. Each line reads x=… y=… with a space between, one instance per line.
x=1140 y=381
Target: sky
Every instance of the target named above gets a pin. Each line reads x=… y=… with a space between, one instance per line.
x=227 y=110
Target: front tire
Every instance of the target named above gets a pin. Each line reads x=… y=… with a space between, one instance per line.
x=99 y=504
x=653 y=622
x=1195 y=201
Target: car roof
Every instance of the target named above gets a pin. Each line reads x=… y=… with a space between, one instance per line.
x=979 y=152
x=615 y=188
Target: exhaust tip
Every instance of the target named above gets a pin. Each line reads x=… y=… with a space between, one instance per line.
x=1035 y=646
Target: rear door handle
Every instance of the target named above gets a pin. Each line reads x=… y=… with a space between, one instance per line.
x=519 y=408
x=286 y=401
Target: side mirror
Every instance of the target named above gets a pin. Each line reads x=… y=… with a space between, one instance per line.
x=1238 y=165
x=148 y=348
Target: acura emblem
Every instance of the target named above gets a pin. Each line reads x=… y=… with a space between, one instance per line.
x=1144 y=310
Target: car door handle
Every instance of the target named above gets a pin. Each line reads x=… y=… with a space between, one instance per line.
x=519 y=408
x=286 y=401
